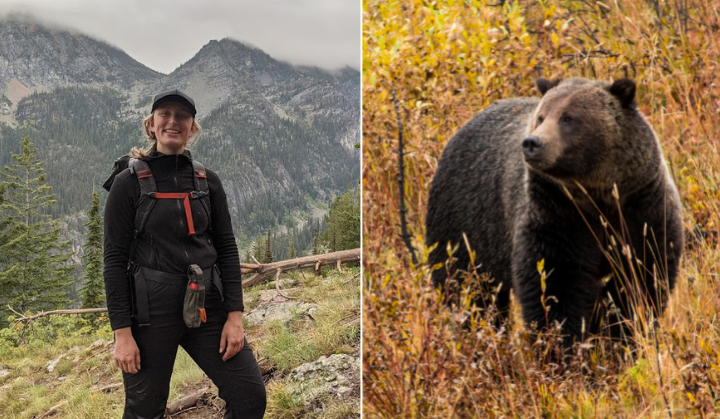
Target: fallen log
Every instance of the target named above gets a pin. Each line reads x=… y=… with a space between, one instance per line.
x=188 y=401
x=49 y=313
x=262 y=272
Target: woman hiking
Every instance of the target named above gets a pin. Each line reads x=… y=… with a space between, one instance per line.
x=172 y=270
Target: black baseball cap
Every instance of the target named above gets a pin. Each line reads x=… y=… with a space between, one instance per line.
x=175 y=96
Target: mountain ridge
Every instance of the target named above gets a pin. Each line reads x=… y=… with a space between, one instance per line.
x=33 y=66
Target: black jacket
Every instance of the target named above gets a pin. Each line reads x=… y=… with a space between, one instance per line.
x=165 y=244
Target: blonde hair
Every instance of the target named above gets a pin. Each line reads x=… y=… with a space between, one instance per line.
x=138 y=152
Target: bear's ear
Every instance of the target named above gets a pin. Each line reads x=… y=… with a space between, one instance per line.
x=543 y=84
x=624 y=90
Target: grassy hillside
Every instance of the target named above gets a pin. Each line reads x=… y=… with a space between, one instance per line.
x=65 y=362
x=447 y=61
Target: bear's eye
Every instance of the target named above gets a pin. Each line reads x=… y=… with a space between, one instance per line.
x=540 y=119
x=566 y=119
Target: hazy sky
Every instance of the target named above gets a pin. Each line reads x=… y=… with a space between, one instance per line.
x=163 y=34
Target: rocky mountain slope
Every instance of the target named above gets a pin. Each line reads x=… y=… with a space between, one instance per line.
x=36 y=57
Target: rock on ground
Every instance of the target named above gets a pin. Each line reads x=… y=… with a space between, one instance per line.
x=336 y=375
x=282 y=312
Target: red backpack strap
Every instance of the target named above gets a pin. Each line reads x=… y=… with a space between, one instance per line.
x=185 y=196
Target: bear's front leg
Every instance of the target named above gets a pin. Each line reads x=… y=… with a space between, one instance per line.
x=572 y=261
x=647 y=275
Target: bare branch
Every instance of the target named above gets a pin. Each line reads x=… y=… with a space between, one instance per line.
x=277 y=286
x=401 y=182
x=247 y=268
x=53 y=410
x=50 y=313
x=111 y=387
x=14 y=311
x=351 y=279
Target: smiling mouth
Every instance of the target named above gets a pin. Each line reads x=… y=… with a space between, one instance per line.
x=171 y=131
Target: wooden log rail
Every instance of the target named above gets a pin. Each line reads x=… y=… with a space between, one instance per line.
x=262 y=272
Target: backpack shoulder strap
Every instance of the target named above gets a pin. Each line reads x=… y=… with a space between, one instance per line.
x=200 y=177
x=144 y=175
x=202 y=189
x=146 y=202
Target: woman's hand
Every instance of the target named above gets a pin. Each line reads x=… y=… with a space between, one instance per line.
x=233 y=335
x=127 y=354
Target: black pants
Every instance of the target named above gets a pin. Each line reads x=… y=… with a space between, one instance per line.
x=238 y=379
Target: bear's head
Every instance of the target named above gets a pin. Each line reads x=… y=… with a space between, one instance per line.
x=577 y=128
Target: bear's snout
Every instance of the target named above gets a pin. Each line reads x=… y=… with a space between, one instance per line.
x=531 y=145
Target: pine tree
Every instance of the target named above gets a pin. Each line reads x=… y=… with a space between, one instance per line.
x=92 y=291
x=259 y=248
x=291 y=252
x=268 y=258
x=343 y=222
x=315 y=247
x=6 y=232
x=34 y=263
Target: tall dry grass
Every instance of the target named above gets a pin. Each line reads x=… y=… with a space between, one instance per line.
x=447 y=61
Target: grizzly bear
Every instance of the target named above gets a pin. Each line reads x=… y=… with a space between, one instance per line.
x=576 y=179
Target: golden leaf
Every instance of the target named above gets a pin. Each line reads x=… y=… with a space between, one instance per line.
x=555 y=39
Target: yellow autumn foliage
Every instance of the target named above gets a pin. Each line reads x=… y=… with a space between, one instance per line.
x=447 y=60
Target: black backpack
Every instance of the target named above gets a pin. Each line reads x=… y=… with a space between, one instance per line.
x=149 y=194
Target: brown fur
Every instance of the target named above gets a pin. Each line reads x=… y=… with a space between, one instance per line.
x=594 y=156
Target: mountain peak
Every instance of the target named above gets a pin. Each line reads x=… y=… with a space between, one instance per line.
x=43 y=56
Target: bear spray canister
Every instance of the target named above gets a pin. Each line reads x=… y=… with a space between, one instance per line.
x=194 y=305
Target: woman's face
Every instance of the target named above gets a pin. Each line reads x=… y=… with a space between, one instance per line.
x=173 y=126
